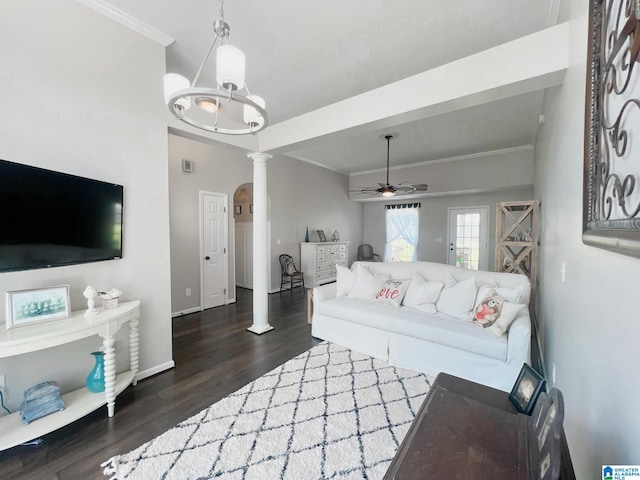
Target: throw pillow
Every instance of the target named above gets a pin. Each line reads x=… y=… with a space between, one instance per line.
x=392 y=292
x=489 y=309
x=449 y=281
x=509 y=312
x=457 y=300
x=496 y=314
x=345 y=279
x=421 y=293
x=511 y=295
x=366 y=284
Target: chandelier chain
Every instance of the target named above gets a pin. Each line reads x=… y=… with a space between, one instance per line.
x=222 y=10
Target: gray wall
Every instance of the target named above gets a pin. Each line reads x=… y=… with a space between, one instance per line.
x=303 y=195
x=82 y=95
x=589 y=323
x=300 y=195
x=434 y=217
x=216 y=168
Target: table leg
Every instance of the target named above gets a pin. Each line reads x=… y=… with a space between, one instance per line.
x=309 y=305
x=134 y=348
x=110 y=373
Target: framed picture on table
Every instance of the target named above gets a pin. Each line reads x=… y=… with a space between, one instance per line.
x=37 y=305
x=321 y=236
x=526 y=390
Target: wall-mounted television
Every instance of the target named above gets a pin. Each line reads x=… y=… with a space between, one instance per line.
x=50 y=219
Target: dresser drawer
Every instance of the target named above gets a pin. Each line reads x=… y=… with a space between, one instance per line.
x=321 y=257
x=321 y=249
x=324 y=275
x=342 y=248
x=342 y=255
x=323 y=266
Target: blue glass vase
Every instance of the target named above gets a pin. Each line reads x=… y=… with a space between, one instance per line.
x=95 y=379
x=306 y=235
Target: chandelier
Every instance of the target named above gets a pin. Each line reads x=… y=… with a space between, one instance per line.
x=226 y=108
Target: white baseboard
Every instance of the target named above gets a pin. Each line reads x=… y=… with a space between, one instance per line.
x=154 y=370
x=185 y=312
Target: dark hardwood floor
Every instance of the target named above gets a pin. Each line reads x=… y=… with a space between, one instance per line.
x=214 y=356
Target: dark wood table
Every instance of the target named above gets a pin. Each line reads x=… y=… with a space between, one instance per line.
x=466 y=431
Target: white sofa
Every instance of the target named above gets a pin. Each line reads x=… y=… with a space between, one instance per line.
x=428 y=342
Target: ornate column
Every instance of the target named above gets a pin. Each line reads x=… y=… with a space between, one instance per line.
x=260 y=244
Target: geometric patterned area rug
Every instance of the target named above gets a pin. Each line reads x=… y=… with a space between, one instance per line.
x=327 y=413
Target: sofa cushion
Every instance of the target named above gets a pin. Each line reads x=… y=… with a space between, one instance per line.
x=457 y=300
x=392 y=292
x=345 y=279
x=422 y=295
x=366 y=284
x=438 y=328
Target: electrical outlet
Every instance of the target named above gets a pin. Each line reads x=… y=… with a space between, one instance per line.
x=188 y=292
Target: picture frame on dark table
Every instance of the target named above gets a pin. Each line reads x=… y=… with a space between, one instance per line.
x=526 y=390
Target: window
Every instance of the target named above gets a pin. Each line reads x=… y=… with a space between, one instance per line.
x=401 y=222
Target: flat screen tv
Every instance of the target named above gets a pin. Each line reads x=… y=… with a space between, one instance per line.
x=50 y=219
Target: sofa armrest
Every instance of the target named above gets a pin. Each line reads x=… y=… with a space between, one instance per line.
x=324 y=292
x=519 y=341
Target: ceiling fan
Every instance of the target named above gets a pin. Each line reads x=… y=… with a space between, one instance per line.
x=387 y=189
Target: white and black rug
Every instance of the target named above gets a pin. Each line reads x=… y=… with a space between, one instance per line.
x=328 y=413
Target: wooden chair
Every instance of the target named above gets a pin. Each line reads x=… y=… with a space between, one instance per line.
x=290 y=274
x=365 y=254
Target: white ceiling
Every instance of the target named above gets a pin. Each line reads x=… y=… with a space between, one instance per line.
x=305 y=55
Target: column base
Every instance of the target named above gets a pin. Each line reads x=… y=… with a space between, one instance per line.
x=260 y=329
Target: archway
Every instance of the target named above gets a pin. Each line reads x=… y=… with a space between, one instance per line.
x=243 y=221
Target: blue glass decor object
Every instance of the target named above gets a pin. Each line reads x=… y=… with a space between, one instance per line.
x=306 y=235
x=95 y=379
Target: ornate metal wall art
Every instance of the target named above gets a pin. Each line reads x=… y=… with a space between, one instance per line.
x=611 y=204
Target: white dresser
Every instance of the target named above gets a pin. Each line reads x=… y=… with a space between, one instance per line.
x=319 y=259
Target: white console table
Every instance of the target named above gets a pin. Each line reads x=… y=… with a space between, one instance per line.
x=79 y=402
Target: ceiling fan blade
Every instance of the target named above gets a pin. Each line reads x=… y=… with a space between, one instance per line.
x=405 y=188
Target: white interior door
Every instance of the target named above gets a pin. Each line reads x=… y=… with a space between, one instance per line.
x=213 y=248
x=468 y=239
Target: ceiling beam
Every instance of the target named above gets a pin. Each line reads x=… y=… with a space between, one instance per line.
x=528 y=64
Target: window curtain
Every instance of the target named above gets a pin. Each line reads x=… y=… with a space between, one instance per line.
x=401 y=221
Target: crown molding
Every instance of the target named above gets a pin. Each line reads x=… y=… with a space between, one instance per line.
x=128 y=21
x=447 y=160
x=317 y=164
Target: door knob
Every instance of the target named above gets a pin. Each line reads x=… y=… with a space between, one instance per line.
x=206 y=258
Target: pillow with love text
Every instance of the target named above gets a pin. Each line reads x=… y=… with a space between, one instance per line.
x=392 y=292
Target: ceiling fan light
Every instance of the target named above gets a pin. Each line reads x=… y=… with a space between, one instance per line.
x=230 y=67
x=252 y=116
x=207 y=104
x=387 y=193
x=174 y=82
